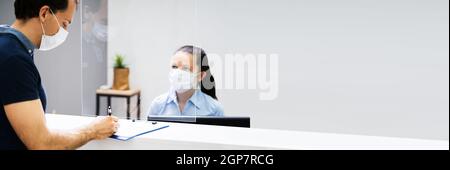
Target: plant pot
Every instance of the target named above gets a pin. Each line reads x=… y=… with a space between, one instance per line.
x=121 y=79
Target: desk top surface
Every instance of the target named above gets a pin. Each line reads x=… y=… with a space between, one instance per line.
x=263 y=138
x=130 y=92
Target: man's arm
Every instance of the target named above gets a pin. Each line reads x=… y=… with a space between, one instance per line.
x=27 y=119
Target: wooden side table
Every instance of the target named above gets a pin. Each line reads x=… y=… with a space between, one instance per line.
x=109 y=93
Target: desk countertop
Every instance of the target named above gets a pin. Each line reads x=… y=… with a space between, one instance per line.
x=191 y=136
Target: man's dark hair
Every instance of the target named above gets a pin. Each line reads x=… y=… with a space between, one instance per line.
x=27 y=9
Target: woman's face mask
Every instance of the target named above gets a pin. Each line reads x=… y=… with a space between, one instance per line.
x=182 y=81
x=50 y=42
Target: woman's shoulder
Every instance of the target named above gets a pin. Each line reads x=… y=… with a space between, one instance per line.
x=157 y=104
x=161 y=99
x=214 y=104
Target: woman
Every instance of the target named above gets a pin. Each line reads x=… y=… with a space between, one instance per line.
x=192 y=91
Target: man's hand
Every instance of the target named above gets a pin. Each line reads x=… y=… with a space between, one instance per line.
x=103 y=127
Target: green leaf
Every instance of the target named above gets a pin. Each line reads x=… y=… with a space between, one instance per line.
x=119 y=61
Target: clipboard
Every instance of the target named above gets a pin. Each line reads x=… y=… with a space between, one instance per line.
x=129 y=130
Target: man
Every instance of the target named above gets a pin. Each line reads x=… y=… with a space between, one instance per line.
x=40 y=24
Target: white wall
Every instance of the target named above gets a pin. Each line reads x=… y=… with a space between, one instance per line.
x=361 y=67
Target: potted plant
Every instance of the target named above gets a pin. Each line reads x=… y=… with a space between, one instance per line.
x=121 y=73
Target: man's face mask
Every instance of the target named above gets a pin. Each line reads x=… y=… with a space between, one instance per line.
x=50 y=42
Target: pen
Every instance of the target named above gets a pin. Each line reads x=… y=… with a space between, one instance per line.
x=109 y=110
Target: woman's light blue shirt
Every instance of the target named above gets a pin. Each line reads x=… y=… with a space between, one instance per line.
x=200 y=104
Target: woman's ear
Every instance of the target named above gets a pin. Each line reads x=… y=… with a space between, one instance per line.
x=43 y=13
x=202 y=75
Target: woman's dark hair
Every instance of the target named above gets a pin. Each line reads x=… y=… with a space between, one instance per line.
x=207 y=85
x=27 y=9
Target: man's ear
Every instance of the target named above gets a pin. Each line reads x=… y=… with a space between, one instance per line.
x=44 y=12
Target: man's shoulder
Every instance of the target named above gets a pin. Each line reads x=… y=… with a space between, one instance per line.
x=11 y=48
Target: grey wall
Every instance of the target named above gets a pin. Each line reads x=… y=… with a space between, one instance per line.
x=349 y=66
x=6 y=11
x=94 y=44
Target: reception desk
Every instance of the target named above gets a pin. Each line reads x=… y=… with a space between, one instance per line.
x=203 y=137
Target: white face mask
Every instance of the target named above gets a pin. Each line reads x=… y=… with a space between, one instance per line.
x=51 y=42
x=182 y=81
